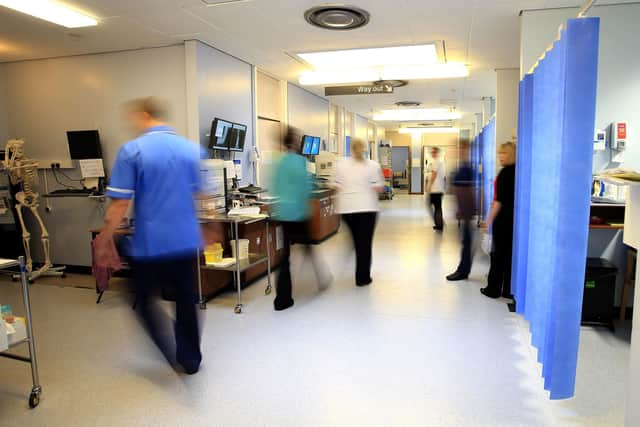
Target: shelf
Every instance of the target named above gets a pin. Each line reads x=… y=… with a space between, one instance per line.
x=245 y=264
x=605 y=227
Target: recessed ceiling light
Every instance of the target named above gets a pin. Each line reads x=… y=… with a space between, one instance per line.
x=51 y=11
x=337 y=17
x=419 y=130
x=416 y=115
x=390 y=72
x=371 y=57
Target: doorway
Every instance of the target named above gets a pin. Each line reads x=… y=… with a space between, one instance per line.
x=401 y=171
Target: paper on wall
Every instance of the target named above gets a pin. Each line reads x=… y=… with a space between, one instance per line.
x=91 y=168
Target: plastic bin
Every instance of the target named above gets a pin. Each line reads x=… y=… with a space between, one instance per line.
x=244 y=248
x=213 y=253
x=599 y=293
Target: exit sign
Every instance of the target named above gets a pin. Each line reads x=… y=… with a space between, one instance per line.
x=358 y=90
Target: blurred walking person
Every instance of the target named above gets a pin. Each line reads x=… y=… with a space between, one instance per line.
x=464 y=191
x=358 y=182
x=435 y=183
x=160 y=171
x=292 y=185
x=500 y=222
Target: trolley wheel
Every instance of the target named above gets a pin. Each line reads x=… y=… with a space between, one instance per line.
x=238 y=309
x=203 y=306
x=64 y=275
x=32 y=281
x=267 y=291
x=14 y=279
x=34 y=399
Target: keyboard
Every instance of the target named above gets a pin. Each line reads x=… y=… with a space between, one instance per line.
x=71 y=192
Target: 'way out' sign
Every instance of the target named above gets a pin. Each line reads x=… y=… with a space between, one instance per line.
x=358 y=90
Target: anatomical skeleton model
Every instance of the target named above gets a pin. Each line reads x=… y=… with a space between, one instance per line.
x=24 y=172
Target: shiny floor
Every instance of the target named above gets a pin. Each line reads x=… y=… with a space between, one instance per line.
x=409 y=350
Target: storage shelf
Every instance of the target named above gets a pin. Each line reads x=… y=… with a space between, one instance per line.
x=605 y=227
x=245 y=264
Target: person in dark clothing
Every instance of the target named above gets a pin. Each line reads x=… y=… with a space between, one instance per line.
x=500 y=221
x=463 y=188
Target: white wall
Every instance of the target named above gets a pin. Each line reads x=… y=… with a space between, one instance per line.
x=308 y=112
x=507 y=104
x=4 y=131
x=49 y=97
x=618 y=67
x=224 y=89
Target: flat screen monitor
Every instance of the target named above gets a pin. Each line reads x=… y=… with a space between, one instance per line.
x=315 y=146
x=84 y=144
x=307 y=145
x=219 y=136
x=236 y=137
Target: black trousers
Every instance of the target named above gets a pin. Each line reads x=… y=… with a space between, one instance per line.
x=466 y=256
x=293 y=232
x=362 y=226
x=499 y=281
x=435 y=204
x=176 y=275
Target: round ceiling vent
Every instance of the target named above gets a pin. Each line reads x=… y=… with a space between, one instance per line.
x=408 y=104
x=337 y=17
x=394 y=83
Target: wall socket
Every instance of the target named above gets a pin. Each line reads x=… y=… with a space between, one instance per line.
x=64 y=163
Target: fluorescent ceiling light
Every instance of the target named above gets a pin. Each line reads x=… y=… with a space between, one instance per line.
x=428 y=130
x=359 y=75
x=362 y=58
x=51 y=11
x=416 y=115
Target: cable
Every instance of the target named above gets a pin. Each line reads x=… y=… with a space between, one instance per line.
x=67 y=176
x=55 y=175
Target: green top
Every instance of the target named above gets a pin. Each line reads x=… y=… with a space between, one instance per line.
x=292 y=187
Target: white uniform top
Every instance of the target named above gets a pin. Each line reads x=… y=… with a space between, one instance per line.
x=436 y=165
x=355 y=181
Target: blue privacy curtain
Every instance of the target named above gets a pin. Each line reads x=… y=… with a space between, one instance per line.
x=553 y=180
x=488 y=144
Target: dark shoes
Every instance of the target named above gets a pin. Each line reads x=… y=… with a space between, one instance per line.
x=439 y=229
x=488 y=293
x=279 y=306
x=454 y=277
x=366 y=282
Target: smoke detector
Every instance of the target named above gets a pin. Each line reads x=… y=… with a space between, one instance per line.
x=337 y=17
x=408 y=104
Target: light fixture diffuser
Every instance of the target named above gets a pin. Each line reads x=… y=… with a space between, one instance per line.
x=428 y=130
x=358 y=75
x=416 y=115
x=51 y=11
x=373 y=57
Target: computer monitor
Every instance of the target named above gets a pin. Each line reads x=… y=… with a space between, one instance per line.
x=219 y=136
x=307 y=145
x=236 y=137
x=84 y=144
x=315 y=146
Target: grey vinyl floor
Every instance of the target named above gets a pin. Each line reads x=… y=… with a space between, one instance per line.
x=409 y=350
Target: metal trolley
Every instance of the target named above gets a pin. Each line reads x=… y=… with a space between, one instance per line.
x=241 y=265
x=34 y=397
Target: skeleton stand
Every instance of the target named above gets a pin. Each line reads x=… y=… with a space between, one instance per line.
x=23 y=171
